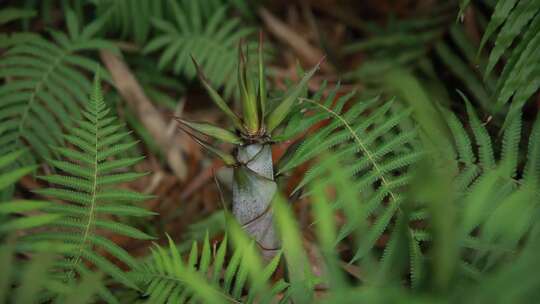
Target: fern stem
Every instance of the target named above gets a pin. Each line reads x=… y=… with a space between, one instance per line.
x=394 y=208
x=362 y=146
x=91 y=213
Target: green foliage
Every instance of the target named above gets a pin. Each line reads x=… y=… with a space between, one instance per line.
x=487 y=253
x=29 y=282
x=372 y=144
x=130 y=18
x=87 y=184
x=7 y=160
x=518 y=39
x=466 y=67
x=513 y=29
x=255 y=125
x=10 y=14
x=399 y=43
x=406 y=203
x=9 y=210
x=490 y=189
x=301 y=276
x=419 y=46
x=211 y=39
x=44 y=86
x=32 y=284
x=206 y=277
x=375 y=149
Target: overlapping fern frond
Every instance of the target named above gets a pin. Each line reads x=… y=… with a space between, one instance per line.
x=517 y=40
x=8 y=15
x=208 y=277
x=212 y=39
x=401 y=42
x=22 y=217
x=12 y=212
x=8 y=176
x=420 y=45
x=373 y=143
x=478 y=156
x=90 y=170
x=130 y=18
x=29 y=281
x=492 y=187
x=44 y=84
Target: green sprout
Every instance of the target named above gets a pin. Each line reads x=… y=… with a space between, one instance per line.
x=253 y=185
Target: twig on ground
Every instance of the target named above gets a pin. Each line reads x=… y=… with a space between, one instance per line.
x=284 y=33
x=130 y=89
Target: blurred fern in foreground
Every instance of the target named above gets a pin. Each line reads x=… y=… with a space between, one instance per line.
x=206 y=276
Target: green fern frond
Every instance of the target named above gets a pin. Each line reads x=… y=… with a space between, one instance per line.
x=212 y=39
x=87 y=184
x=368 y=148
x=203 y=277
x=44 y=85
x=470 y=78
x=10 y=14
x=6 y=162
x=399 y=43
x=405 y=47
x=491 y=188
x=482 y=138
x=372 y=148
x=12 y=213
x=515 y=21
x=33 y=283
x=130 y=18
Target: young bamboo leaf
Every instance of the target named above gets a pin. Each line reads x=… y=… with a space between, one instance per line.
x=248 y=97
x=212 y=131
x=225 y=157
x=262 y=80
x=216 y=98
x=282 y=110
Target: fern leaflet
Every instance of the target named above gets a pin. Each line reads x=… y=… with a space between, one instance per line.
x=212 y=39
x=44 y=85
x=206 y=278
x=87 y=184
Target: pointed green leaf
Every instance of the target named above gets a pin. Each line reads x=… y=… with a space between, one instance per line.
x=216 y=98
x=262 y=80
x=13 y=176
x=282 y=110
x=225 y=157
x=213 y=131
x=10 y=158
x=248 y=98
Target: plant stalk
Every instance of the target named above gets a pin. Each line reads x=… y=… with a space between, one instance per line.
x=253 y=190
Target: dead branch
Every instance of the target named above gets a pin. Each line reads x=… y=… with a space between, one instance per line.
x=300 y=46
x=130 y=89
